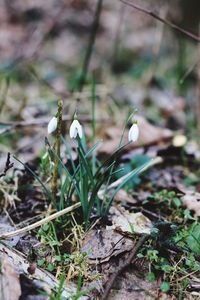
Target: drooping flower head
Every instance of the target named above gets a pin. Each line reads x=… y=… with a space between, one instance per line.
x=76 y=130
x=133 y=132
x=52 y=125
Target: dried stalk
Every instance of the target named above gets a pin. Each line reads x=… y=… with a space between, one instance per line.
x=54 y=182
x=90 y=47
x=40 y=223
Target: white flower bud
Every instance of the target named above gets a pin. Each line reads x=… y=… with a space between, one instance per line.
x=52 y=125
x=75 y=129
x=133 y=133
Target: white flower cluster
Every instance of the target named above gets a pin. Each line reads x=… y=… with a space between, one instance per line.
x=77 y=130
x=74 y=131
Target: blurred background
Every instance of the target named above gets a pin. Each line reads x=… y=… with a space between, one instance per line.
x=58 y=49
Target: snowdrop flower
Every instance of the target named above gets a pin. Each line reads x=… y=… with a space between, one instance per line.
x=52 y=125
x=133 y=133
x=75 y=129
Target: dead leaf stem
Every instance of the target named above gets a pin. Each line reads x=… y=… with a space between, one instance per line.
x=41 y=222
x=54 y=185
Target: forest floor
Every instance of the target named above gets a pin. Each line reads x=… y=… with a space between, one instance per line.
x=97 y=217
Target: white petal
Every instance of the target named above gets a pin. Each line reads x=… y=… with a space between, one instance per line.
x=76 y=123
x=72 y=130
x=52 y=125
x=133 y=133
x=75 y=133
x=75 y=129
x=129 y=135
x=80 y=131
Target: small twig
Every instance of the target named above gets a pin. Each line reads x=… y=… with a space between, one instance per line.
x=90 y=47
x=165 y=21
x=185 y=276
x=41 y=222
x=42 y=122
x=159 y=217
x=54 y=182
x=133 y=253
x=8 y=166
x=117 y=38
x=189 y=71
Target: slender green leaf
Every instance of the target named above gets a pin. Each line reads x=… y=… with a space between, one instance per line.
x=38 y=179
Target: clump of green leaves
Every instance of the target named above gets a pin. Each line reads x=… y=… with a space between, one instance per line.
x=189 y=237
x=89 y=178
x=167 y=198
x=170 y=204
x=171 y=266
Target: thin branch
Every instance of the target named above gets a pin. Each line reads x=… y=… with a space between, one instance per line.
x=133 y=253
x=189 y=71
x=166 y=22
x=89 y=50
x=42 y=122
x=8 y=166
x=41 y=222
x=116 y=46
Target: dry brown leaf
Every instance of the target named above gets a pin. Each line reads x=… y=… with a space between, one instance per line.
x=10 y=286
x=128 y=222
x=149 y=134
x=192 y=201
x=130 y=286
x=101 y=245
x=123 y=196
